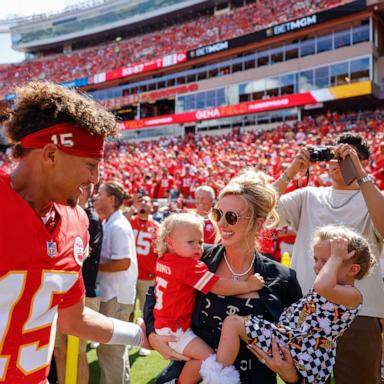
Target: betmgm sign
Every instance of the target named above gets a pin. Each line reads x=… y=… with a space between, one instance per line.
x=291 y=26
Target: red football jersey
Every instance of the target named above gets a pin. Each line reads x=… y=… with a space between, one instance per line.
x=209 y=232
x=186 y=183
x=145 y=235
x=177 y=279
x=267 y=239
x=164 y=185
x=39 y=272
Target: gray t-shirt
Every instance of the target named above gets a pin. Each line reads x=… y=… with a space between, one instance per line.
x=309 y=208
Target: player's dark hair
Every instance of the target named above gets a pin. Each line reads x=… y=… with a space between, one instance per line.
x=356 y=141
x=41 y=104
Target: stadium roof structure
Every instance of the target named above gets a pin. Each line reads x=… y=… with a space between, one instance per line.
x=6 y=24
x=15 y=19
x=91 y=19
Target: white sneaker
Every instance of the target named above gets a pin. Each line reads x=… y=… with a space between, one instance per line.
x=144 y=352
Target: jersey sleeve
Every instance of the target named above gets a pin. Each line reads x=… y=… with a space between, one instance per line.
x=197 y=275
x=74 y=295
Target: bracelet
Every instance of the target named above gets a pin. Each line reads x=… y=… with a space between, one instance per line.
x=366 y=179
x=125 y=333
x=285 y=178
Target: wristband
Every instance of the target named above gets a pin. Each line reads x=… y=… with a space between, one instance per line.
x=125 y=333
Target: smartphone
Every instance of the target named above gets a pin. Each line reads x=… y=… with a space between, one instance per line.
x=347 y=170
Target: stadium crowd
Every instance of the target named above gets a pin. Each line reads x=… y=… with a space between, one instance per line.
x=175 y=167
x=179 y=37
x=170 y=170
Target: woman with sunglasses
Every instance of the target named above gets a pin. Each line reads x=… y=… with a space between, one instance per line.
x=244 y=207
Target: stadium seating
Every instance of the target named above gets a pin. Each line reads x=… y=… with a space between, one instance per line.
x=213 y=160
x=180 y=37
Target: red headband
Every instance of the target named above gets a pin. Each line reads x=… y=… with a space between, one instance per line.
x=68 y=138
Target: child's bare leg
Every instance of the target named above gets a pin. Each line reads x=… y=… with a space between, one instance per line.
x=232 y=330
x=197 y=350
x=190 y=373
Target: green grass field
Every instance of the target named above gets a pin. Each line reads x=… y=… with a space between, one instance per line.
x=144 y=370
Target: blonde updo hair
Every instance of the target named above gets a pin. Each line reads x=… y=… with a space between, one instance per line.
x=254 y=187
x=363 y=255
x=170 y=223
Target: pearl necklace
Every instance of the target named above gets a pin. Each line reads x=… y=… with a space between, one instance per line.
x=236 y=276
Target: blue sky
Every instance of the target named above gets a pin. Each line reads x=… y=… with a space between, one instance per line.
x=24 y=7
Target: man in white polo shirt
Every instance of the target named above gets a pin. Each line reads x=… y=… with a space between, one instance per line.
x=117 y=276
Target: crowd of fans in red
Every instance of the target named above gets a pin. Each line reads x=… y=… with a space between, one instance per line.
x=180 y=37
x=174 y=166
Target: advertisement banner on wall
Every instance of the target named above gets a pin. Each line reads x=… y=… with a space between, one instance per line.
x=165 y=61
x=274 y=103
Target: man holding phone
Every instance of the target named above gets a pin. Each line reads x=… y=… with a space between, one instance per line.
x=360 y=205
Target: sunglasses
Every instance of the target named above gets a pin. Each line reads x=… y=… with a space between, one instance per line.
x=231 y=217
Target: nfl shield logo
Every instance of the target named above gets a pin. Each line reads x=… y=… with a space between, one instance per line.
x=51 y=249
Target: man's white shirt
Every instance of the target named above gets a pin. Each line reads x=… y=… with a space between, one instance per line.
x=118 y=243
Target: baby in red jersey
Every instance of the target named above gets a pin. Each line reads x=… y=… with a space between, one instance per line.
x=179 y=273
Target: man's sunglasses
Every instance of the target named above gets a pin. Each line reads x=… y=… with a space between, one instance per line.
x=231 y=217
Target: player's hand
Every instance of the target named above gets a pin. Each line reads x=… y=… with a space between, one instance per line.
x=339 y=248
x=160 y=344
x=256 y=282
x=300 y=163
x=280 y=362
